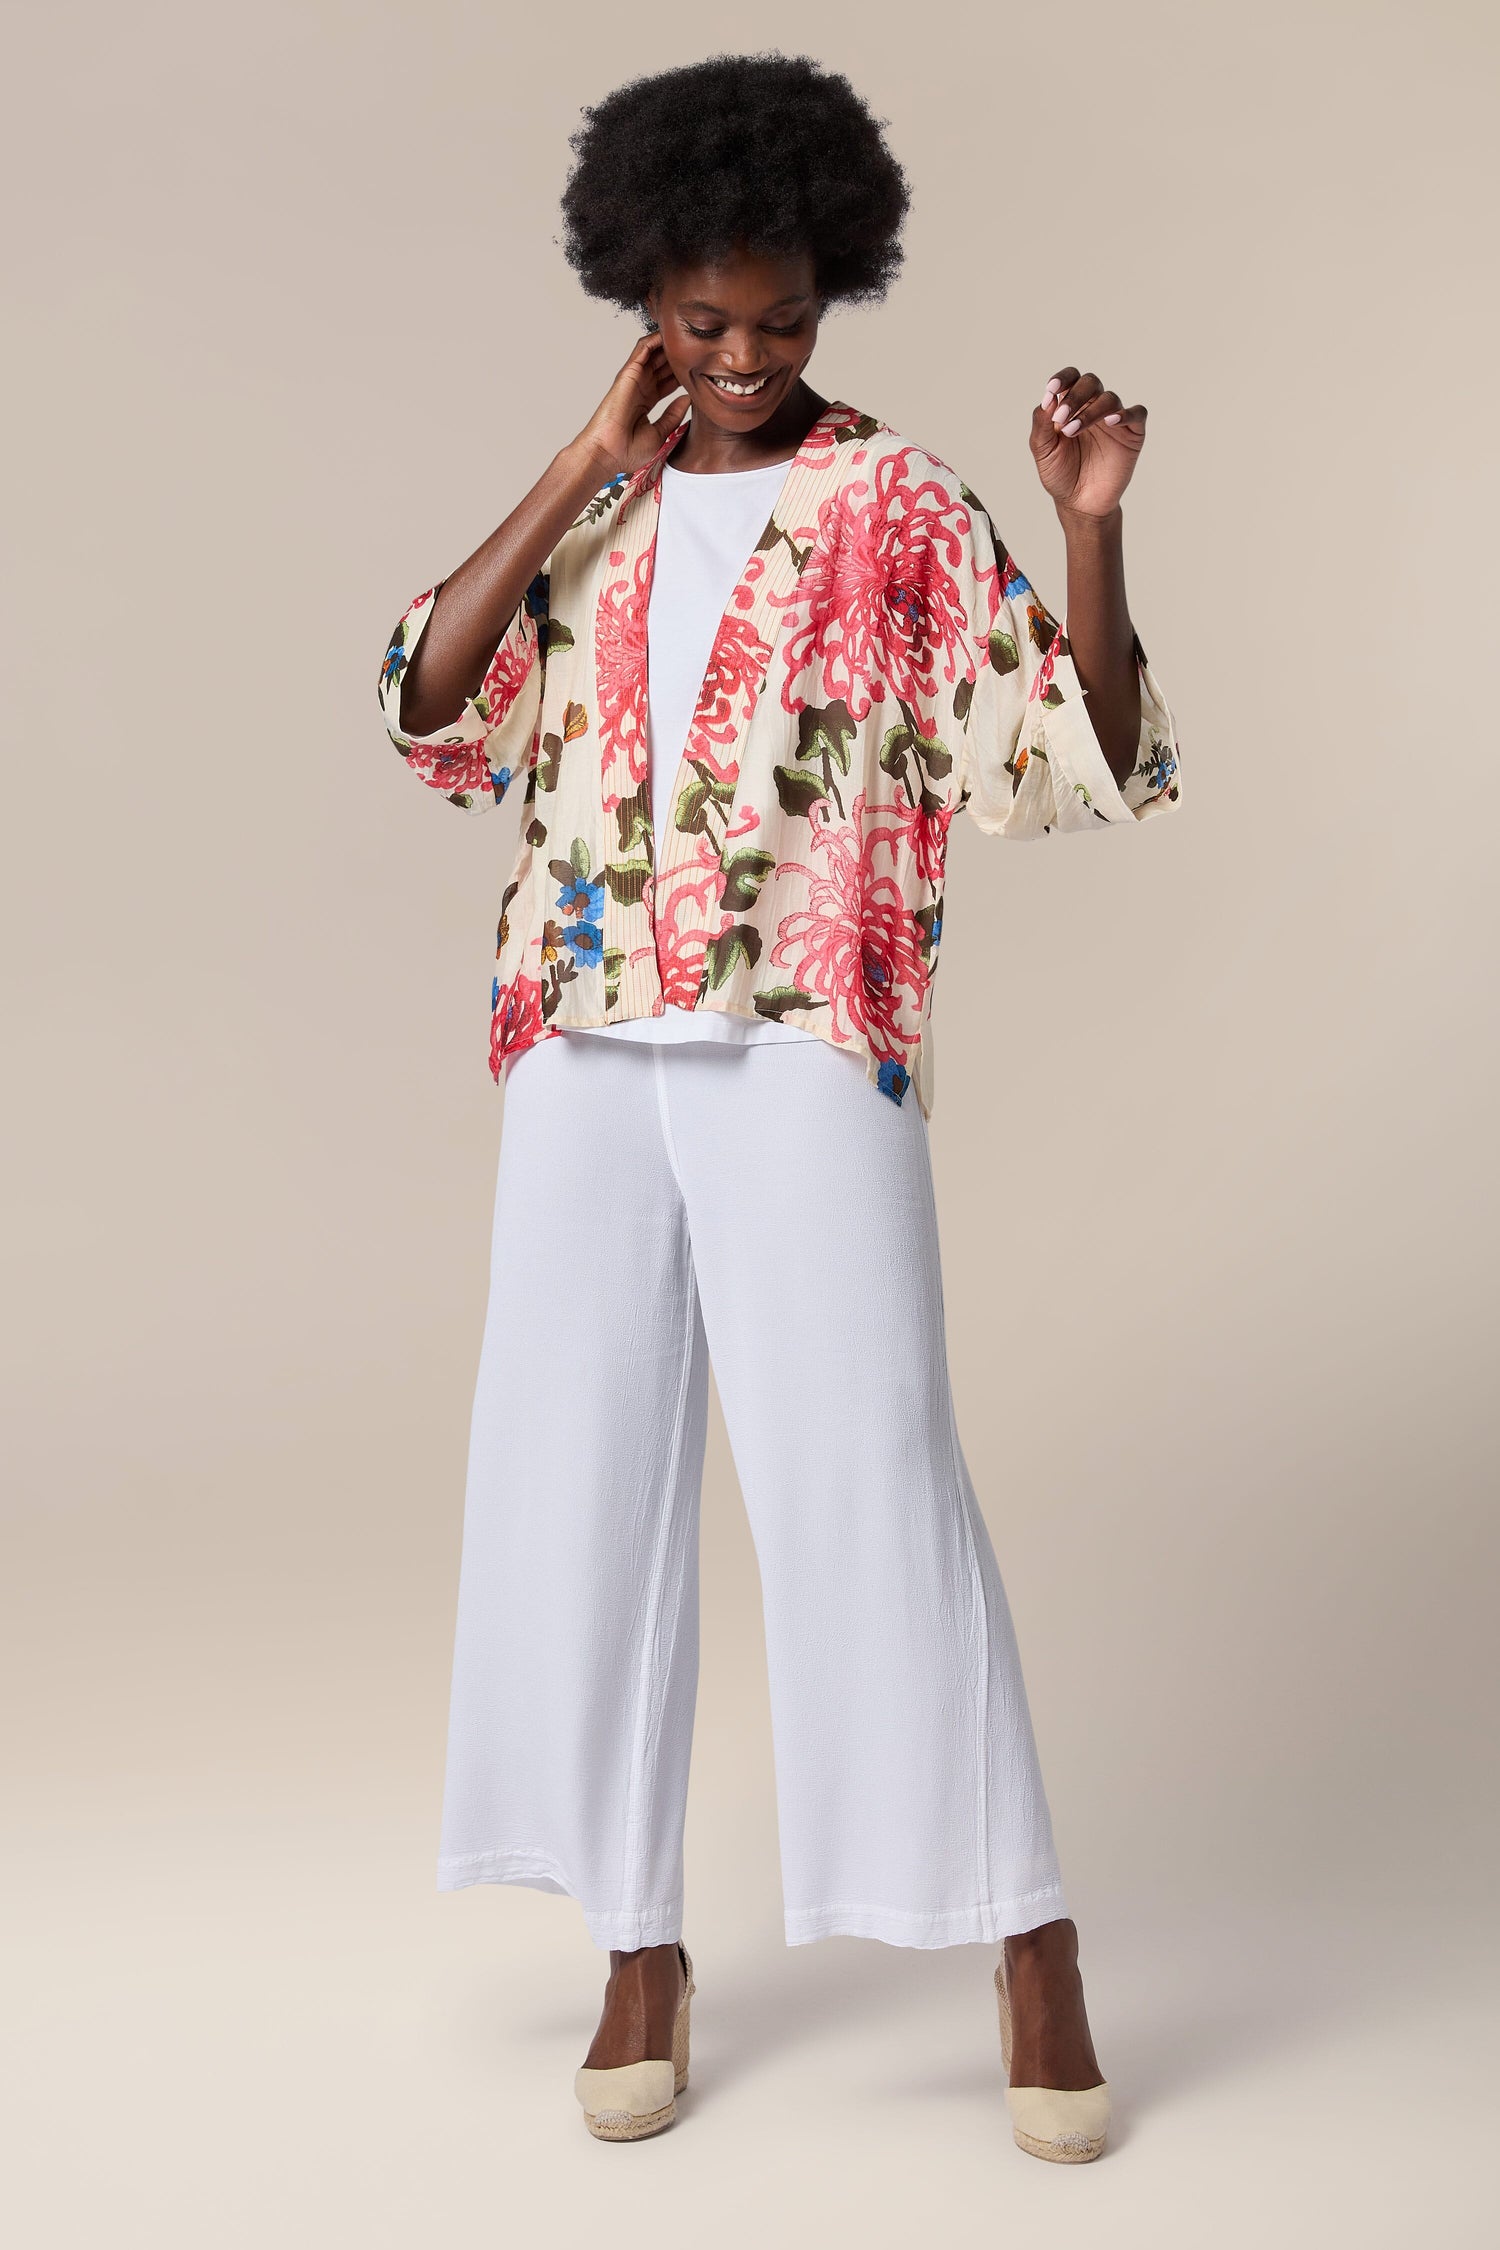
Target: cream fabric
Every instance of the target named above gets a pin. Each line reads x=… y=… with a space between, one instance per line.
x=1045 y=2113
x=632 y=2090
x=881 y=663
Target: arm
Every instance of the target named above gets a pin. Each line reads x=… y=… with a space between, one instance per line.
x=1085 y=445
x=475 y=606
x=1102 y=637
x=1063 y=731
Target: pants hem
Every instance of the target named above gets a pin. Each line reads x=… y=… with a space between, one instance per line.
x=984 y=1924
x=625 y=1929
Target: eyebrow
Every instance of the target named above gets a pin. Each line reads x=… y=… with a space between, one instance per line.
x=701 y=304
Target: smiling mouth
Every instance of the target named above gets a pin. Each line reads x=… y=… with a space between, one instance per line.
x=732 y=389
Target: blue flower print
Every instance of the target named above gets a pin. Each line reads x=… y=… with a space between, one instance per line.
x=894 y=1079
x=581 y=897
x=585 y=940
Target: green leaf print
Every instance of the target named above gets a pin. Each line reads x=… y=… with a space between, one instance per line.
x=691 y=815
x=776 y=1001
x=633 y=821
x=741 y=942
x=904 y=745
x=556 y=636
x=1004 y=654
x=744 y=872
x=579 y=859
x=627 y=880
x=549 y=762
x=825 y=735
x=798 y=792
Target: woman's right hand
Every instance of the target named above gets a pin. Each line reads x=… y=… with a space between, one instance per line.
x=619 y=434
x=477 y=602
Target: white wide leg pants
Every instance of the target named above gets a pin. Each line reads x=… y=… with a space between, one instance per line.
x=766 y=1205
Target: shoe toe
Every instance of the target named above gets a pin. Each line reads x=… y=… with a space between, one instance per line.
x=1067 y=2126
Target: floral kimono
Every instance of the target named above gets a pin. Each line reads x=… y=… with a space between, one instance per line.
x=881 y=664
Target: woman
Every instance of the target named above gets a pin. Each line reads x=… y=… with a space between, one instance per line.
x=751 y=657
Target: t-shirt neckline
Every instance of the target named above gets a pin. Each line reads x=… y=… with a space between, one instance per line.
x=717 y=476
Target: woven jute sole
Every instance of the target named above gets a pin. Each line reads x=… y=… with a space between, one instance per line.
x=1057 y=2152
x=619 y=2125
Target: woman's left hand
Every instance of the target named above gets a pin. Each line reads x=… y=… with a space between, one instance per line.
x=1085 y=443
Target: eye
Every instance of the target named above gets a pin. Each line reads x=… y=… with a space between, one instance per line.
x=794 y=330
x=704 y=332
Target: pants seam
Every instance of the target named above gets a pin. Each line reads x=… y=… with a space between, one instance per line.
x=651 y=1680
x=976 y=1574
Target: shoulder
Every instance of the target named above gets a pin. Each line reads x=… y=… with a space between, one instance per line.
x=900 y=470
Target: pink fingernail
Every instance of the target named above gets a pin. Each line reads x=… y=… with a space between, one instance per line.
x=1054 y=385
x=1061 y=415
x=1114 y=417
x=1070 y=428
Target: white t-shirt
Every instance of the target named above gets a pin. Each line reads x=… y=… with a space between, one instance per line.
x=705 y=534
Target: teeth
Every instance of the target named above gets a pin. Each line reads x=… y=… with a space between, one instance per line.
x=738 y=390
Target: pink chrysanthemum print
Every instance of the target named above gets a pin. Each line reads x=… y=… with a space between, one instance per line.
x=727 y=698
x=516 y=1020
x=510 y=668
x=856 y=943
x=687 y=915
x=620 y=666
x=459 y=768
x=878 y=611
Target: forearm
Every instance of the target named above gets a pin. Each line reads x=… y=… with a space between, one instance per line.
x=479 y=599
x=1101 y=636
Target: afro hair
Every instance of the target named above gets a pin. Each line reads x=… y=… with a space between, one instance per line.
x=769 y=152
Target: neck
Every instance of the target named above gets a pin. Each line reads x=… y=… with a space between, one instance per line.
x=705 y=449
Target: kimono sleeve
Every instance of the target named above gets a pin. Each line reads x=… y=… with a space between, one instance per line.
x=1030 y=762
x=474 y=760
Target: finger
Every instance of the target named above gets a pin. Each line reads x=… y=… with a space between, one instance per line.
x=1059 y=382
x=1097 y=410
x=1075 y=396
x=638 y=362
x=1131 y=421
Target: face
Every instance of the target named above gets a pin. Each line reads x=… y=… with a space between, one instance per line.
x=737 y=334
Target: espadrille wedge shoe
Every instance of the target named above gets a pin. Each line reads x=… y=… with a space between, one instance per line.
x=1049 y=2121
x=637 y=2099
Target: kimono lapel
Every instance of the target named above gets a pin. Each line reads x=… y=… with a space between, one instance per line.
x=708 y=766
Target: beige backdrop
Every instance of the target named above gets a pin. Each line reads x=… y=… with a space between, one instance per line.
x=290 y=331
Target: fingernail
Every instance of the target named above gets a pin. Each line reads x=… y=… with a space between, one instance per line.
x=1114 y=417
x=1069 y=428
x=1054 y=385
x=1061 y=415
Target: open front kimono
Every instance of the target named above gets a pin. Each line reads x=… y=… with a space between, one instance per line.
x=882 y=664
